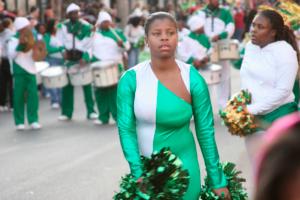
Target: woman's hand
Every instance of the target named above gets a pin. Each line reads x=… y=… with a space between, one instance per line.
x=222 y=192
x=120 y=43
x=215 y=38
x=82 y=63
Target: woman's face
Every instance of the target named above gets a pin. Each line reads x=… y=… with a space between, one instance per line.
x=290 y=189
x=162 y=38
x=105 y=25
x=261 y=31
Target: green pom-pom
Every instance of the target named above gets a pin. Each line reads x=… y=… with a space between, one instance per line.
x=162 y=178
x=235 y=186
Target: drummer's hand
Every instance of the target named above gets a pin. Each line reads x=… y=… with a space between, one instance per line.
x=215 y=38
x=65 y=55
x=197 y=63
x=204 y=61
x=82 y=62
x=120 y=43
x=223 y=192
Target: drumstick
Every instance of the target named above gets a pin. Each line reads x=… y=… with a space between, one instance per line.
x=115 y=34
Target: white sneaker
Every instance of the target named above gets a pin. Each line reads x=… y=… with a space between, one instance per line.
x=1 y=108
x=20 y=127
x=63 y=118
x=35 y=126
x=98 y=122
x=55 y=106
x=111 y=122
x=5 y=108
x=93 y=116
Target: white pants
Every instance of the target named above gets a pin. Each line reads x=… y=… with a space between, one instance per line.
x=253 y=145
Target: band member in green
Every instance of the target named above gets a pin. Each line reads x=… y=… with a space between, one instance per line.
x=25 y=93
x=75 y=34
x=108 y=45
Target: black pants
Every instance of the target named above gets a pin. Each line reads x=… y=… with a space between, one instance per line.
x=6 y=84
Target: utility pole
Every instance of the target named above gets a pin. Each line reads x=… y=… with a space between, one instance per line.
x=123 y=11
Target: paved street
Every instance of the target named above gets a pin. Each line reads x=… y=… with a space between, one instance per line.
x=77 y=160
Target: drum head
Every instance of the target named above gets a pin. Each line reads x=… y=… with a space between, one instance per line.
x=75 y=69
x=103 y=64
x=53 y=71
x=214 y=67
x=40 y=66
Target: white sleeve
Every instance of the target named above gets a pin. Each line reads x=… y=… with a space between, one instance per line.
x=12 y=48
x=127 y=45
x=127 y=33
x=184 y=50
x=230 y=29
x=287 y=67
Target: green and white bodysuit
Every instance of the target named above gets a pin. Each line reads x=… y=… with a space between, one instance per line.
x=151 y=117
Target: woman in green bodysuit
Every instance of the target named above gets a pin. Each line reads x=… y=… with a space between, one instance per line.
x=156 y=100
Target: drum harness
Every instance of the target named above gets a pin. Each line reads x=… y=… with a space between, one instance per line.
x=74 y=53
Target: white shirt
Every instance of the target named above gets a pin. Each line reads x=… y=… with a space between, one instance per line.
x=269 y=74
x=4 y=38
x=105 y=48
x=133 y=34
x=23 y=59
x=66 y=38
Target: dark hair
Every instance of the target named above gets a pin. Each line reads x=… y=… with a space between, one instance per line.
x=135 y=21
x=33 y=9
x=158 y=16
x=6 y=22
x=50 y=26
x=283 y=32
x=279 y=166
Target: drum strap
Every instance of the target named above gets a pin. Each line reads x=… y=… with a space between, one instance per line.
x=73 y=41
x=211 y=13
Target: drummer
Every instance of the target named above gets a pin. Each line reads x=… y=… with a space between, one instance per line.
x=219 y=25
x=108 y=45
x=20 y=49
x=54 y=58
x=75 y=35
x=194 y=47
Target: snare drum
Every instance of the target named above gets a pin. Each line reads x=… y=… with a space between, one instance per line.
x=40 y=66
x=80 y=75
x=212 y=74
x=105 y=73
x=228 y=49
x=54 y=77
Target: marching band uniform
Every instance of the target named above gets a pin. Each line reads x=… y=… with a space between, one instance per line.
x=150 y=117
x=194 y=45
x=270 y=79
x=76 y=36
x=105 y=48
x=219 y=22
x=24 y=78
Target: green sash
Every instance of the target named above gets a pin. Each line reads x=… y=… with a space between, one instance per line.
x=267 y=119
